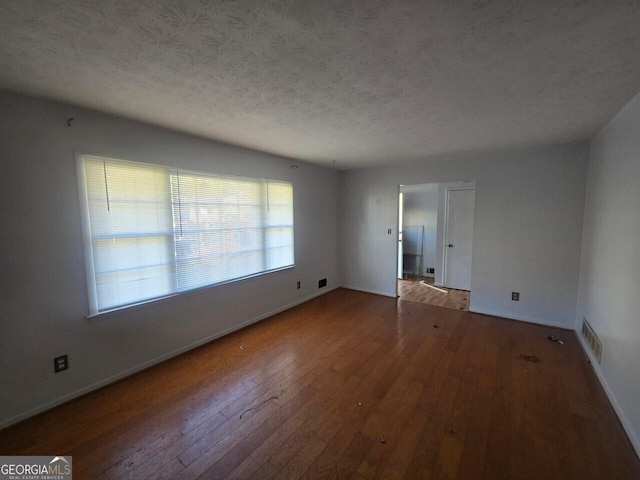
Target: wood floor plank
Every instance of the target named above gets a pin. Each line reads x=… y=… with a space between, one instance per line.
x=450 y=391
x=387 y=425
x=345 y=451
x=438 y=408
x=405 y=446
x=473 y=457
x=152 y=456
x=290 y=447
x=337 y=409
x=256 y=438
x=199 y=457
x=249 y=465
x=299 y=464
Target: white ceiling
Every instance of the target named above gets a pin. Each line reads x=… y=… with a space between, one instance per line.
x=358 y=83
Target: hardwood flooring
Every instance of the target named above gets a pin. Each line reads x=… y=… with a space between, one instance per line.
x=310 y=392
x=410 y=289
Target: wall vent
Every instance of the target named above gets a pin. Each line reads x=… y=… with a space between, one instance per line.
x=592 y=340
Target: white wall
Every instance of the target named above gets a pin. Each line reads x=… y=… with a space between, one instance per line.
x=610 y=268
x=527 y=234
x=43 y=290
x=421 y=208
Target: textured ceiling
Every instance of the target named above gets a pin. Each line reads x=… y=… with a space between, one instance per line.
x=358 y=83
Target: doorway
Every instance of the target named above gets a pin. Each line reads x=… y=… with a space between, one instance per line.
x=430 y=218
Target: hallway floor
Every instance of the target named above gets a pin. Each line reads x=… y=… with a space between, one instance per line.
x=412 y=290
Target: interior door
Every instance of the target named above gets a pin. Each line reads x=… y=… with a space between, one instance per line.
x=459 y=238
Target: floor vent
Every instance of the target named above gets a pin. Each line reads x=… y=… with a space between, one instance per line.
x=592 y=340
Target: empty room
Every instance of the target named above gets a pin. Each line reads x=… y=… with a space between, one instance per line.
x=210 y=208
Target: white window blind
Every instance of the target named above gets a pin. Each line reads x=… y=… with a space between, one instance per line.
x=153 y=231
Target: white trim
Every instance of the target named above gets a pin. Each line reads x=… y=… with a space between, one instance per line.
x=445 y=240
x=375 y=292
x=522 y=319
x=624 y=421
x=86 y=232
x=155 y=361
x=398 y=238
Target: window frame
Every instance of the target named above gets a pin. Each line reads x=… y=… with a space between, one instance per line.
x=88 y=239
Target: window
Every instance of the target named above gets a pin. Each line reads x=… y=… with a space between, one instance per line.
x=152 y=231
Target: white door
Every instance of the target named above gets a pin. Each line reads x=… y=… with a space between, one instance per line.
x=400 y=207
x=459 y=238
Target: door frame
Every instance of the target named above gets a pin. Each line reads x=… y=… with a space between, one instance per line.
x=445 y=223
x=400 y=250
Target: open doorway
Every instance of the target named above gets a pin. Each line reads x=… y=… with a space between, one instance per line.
x=435 y=225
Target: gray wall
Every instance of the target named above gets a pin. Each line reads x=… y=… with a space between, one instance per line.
x=527 y=233
x=43 y=288
x=610 y=269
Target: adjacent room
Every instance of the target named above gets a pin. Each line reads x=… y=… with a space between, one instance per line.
x=435 y=234
x=346 y=239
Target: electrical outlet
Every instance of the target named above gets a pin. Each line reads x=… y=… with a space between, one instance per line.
x=298 y=285
x=515 y=296
x=60 y=363
x=322 y=283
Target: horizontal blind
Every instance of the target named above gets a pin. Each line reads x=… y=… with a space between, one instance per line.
x=223 y=227
x=131 y=228
x=153 y=230
x=278 y=228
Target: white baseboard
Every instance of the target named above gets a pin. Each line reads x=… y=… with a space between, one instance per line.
x=375 y=292
x=628 y=428
x=522 y=319
x=103 y=383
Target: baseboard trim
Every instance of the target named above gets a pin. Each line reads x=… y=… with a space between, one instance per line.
x=522 y=319
x=132 y=371
x=624 y=421
x=375 y=292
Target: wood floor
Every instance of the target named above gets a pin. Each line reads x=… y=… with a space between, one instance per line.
x=410 y=289
x=310 y=392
